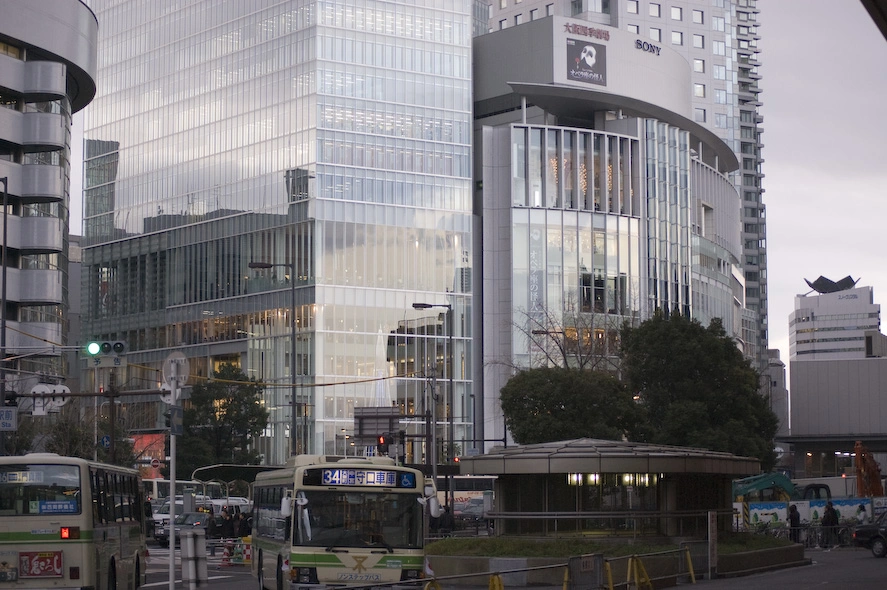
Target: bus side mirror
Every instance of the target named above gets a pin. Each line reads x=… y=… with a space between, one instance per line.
x=433 y=507
x=286 y=507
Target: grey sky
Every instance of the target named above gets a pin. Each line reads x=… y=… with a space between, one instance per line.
x=824 y=68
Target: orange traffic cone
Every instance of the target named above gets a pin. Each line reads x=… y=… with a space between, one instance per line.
x=226 y=556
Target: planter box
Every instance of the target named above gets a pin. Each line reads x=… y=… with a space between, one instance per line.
x=754 y=561
x=484 y=566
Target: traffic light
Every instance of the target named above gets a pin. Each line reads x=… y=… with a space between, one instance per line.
x=97 y=347
x=382 y=443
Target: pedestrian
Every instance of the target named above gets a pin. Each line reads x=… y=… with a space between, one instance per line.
x=861 y=515
x=227 y=527
x=794 y=523
x=212 y=531
x=829 y=525
x=243 y=527
x=446 y=524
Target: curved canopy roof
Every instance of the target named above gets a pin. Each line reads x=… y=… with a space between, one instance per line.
x=587 y=455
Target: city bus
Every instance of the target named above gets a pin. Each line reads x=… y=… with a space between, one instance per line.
x=70 y=523
x=343 y=521
x=158 y=489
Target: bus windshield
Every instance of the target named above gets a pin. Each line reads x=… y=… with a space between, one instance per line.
x=359 y=519
x=39 y=489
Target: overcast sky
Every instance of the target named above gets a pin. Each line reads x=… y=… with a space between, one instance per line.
x=824 y=68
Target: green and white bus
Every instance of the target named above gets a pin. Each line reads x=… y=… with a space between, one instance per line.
x=70 y=523
x=340 y=521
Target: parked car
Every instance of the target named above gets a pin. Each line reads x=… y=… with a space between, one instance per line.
x=185 y=521
x=872 y=536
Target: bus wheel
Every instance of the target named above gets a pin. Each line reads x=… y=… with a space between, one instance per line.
x=112 y=577
x=279 y=574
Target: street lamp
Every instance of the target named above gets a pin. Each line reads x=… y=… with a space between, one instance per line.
x=5 y=181
x=451 y=397
x=295 y=441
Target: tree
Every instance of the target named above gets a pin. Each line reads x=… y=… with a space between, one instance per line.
x=224 y=414
x=70 y=435
x=555 y=403
x=579 y=339
x=696 y=388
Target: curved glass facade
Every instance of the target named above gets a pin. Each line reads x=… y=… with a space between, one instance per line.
x=329 y=139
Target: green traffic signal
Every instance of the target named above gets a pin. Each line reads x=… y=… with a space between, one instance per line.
x=105 y=347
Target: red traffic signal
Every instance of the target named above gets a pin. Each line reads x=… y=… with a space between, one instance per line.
x=382 y=443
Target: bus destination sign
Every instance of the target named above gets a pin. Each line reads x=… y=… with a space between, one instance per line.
x=368 y=477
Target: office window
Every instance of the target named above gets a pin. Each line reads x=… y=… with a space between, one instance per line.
x=717 y=23
x=631 y=7
x=719 y=48
x=503 y=3
x=700 y=115
x=655 y=34
x=677 y=13
x=698 y=17
x=518 y=19
x=720 y=120
x=503 y=24
x=655 y=9
x=633 y=29
x=549 y=9
x=677 y=38
x=576 y=7
x=719 y=72
x=720 y=96
x=699 y=41
x=699 y=90
x=699 y=66
x=534 y=13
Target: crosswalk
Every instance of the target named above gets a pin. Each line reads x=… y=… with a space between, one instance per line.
x=158 y=560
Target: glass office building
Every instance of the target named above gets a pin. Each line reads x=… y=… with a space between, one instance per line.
x=327 y=141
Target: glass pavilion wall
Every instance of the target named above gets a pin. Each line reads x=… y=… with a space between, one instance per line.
x=331 y=139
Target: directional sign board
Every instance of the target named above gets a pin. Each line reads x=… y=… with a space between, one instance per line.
x=8 y=419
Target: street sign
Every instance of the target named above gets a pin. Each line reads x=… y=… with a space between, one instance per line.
x=106 y=362
x=176 y=368
x=105 y=441
x=8 y=419
x=155 y=463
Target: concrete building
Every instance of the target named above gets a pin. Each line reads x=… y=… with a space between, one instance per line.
x=605 y=194
x=719 y=41
x=47 y=73
x=838 y=367
x=328 y=141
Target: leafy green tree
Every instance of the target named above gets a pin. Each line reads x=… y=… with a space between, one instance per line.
x=223 y=416
x=697 y=388
x=555 y=403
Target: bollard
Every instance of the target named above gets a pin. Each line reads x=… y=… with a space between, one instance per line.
x=194 y=571
x=189 y=567
x=200 y=556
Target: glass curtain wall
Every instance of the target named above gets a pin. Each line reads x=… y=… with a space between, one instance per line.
x=329 y=139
